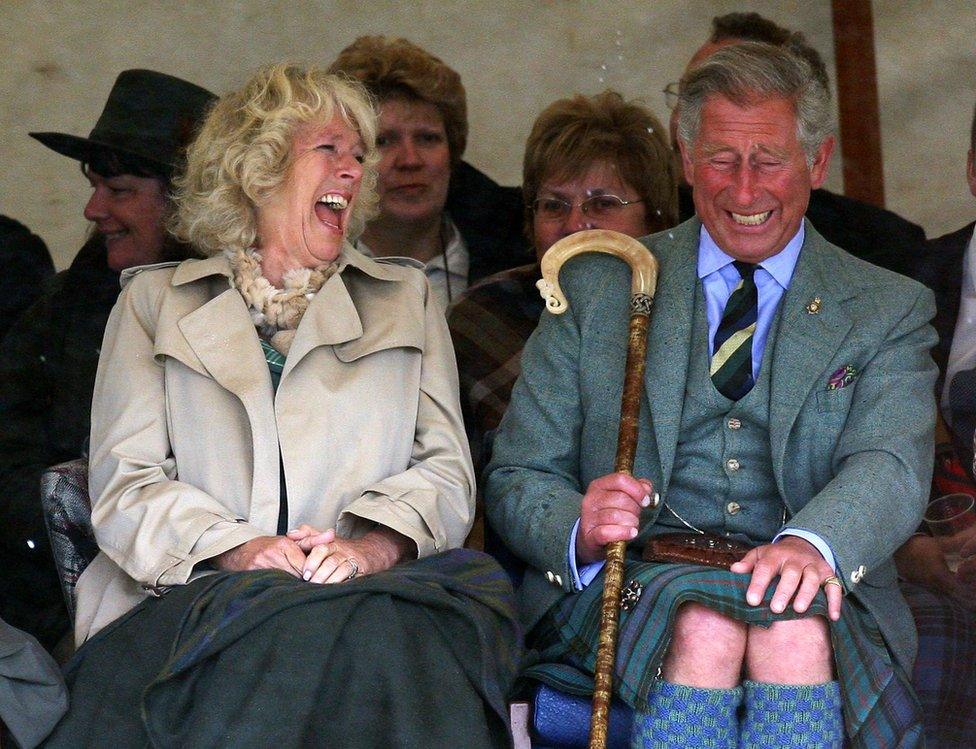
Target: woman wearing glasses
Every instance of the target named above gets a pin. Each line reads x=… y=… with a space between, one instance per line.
x=595 y=162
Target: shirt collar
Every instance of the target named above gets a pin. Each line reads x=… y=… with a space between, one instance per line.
x=780 y=266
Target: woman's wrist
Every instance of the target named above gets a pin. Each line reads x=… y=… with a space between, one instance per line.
x=390 y=546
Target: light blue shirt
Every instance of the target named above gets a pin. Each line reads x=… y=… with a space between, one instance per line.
x=719 y=279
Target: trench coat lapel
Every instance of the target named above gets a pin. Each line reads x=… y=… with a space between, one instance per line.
x=810 y=333
x=222 y=336
x=330 y=319
x=669 y=344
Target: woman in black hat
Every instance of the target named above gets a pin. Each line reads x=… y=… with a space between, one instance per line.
x=50 y=353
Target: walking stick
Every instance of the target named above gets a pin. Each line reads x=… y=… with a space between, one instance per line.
x=643 y=267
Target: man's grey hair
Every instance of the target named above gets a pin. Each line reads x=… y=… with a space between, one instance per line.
x=749 y=73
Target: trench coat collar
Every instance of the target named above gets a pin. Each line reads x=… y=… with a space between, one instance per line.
x=349 y=256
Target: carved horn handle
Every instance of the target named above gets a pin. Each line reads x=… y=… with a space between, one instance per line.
x=644 y=269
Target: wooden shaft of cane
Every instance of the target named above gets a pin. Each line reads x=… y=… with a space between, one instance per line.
x=643 y=282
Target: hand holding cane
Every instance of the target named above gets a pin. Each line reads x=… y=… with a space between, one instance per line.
x=644 y=269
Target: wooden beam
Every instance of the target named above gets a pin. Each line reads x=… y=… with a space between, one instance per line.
x=857 y=96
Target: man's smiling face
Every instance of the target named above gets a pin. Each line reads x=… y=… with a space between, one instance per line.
x=749 y=175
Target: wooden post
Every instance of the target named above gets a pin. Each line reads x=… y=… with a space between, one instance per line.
x=857 y=97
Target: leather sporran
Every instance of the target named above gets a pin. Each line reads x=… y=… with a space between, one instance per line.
x=706 y=549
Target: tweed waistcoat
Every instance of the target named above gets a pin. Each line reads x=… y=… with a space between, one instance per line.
x=723 y=480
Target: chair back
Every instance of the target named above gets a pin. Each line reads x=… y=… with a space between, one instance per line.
x=67 y=515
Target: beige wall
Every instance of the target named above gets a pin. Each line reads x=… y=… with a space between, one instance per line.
x=515 y=56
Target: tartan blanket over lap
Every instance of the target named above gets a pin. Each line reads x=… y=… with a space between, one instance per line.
x=423 y=654
x=879 y=708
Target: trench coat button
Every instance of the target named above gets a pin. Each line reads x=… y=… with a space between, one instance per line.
x=857 y=574
x=732 y=508
x=734 y=423
x=732 y=464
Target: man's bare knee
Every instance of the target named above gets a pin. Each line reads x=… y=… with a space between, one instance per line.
x=707 y=649
x=790 y=652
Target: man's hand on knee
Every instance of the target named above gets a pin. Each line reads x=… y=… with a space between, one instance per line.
x=801 y=570
x=610 y=512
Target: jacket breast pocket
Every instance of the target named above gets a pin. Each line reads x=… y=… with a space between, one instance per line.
x=834 y=401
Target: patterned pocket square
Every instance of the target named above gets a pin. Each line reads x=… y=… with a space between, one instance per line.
x=842 y=377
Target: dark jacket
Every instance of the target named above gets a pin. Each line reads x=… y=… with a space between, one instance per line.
x=46 y=379
x=490 y=219
x=938 y=264
x=25 y=264
x=866 y=231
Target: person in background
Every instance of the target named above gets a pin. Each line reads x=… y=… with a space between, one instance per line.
x=434 y=207
x=51 y=351
x=591 y=162
x=944 y=600
x=874 y=234
x=25 y=265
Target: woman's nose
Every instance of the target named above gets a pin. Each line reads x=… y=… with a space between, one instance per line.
x=95 y=208
x=408 y=155
x=577 y=220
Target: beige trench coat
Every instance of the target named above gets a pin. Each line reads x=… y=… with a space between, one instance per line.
x=186 y=429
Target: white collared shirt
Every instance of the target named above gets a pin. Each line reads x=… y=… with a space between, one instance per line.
x=962 y=355
x=446 y=272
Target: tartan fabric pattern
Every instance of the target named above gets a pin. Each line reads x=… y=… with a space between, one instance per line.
x=276 y=362
x=731 y=367
x=796 y=716
x=489 y=326
x=945 y=669
x=878 y=705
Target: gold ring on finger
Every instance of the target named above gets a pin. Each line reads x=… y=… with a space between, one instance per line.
x=832 y=580
x=355 y=568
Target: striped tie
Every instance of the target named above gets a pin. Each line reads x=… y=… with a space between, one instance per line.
x=731 y=368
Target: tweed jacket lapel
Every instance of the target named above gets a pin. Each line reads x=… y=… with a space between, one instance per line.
x=813 y=325
x=669 y=343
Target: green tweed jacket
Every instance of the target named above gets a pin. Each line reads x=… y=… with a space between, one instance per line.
x=852 y=464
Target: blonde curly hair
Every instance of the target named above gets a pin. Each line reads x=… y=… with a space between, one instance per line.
x=243 y=153
x=392 y=68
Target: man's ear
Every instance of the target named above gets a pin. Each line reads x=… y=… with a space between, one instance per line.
x=821 y=162
x=971 y=170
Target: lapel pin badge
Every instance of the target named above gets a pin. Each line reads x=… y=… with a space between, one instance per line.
x=814 y=306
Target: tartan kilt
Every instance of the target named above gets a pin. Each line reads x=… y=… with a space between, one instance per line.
x=878 y=704
x=945 y=669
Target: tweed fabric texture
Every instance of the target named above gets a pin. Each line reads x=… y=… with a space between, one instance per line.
x=878 y=705
x=679 y=715
x=794 y=716
x=727 y=484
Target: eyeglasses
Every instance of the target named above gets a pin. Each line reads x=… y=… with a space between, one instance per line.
x=671 y=94
x=597 y=206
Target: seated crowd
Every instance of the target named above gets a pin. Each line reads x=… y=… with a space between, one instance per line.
x=311 y=250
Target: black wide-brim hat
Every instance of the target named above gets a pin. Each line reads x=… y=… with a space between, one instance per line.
x=149 y=116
